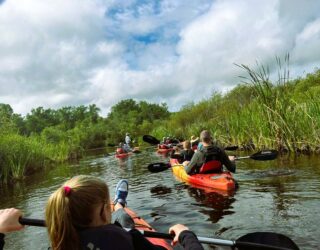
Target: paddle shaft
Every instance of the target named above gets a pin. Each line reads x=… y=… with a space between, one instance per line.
x=242 y=157
x=151 y=234
x=220 y=242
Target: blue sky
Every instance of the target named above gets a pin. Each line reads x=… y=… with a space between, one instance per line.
x=69 y=52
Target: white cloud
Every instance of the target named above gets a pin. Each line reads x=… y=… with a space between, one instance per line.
x=58 y=53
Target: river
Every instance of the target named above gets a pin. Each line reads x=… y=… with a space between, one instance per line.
x=279 y=196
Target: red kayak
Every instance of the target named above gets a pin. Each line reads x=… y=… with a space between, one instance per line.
x=123 y=155
x=141 y=224
x=221 y=181
x=164 y=150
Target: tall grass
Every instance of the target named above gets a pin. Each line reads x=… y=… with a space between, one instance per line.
x=261 y=112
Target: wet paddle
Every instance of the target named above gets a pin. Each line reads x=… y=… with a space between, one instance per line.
x=251 y=241
x=257 y=240
x=158 y=167
x=150 y=139
x=265 y=155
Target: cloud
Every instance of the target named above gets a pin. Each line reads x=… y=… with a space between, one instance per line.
x=59 y=53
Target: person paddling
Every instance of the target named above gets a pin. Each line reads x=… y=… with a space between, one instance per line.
x=187 y=151
x=127 y=139
x=79 y=216
x=209 y=158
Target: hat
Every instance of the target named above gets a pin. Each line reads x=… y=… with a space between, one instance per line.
x=193 y=139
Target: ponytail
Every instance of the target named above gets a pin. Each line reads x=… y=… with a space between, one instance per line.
x=70 y=208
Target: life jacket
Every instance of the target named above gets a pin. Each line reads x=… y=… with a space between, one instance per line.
x=120 y=151
x=212 y=163
x=213 y=166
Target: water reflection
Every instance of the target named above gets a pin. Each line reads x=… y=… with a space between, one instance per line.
x=281 y=196
x=215 y=204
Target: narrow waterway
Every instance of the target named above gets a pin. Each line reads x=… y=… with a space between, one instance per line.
x=278 y=196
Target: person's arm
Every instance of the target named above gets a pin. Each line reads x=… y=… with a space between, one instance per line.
x=9 y=221
x=141 y=243
x=189 y=166
x=185 y=237
x=228 y=161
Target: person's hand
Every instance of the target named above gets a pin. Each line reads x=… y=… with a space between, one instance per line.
x=9 y=220
x=176 y=230
x=232 y=158
x=185 y=163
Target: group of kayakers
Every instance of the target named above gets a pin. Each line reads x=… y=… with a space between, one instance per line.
x=166 y=143
x=80 y=215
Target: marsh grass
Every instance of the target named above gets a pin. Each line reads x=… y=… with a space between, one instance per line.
x=260 y=112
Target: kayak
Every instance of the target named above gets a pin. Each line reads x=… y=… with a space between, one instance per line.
x=164 y=150
x=221 y=181
x=123 y=155
x=141 y=224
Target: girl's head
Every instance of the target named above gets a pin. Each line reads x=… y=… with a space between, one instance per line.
x=186 y=144
x=79 y=203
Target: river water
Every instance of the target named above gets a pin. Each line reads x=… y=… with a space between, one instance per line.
x=279 y=196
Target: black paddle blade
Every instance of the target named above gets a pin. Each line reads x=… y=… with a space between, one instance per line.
x=265 y=155
x=270 y=240
x=150 y=139
x=158 y=167
x=231 y=148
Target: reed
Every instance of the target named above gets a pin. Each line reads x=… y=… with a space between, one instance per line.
x=260 y=112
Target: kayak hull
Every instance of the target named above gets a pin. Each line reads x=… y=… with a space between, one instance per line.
x=164 y=150
x=141 y=224
x=221 y=181
x=123 y=155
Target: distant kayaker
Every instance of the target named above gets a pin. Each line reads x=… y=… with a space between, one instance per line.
x=121 y=149
x=127 y=139
x=78 y=216
x=194 y=142
x=187 y=152
x=209 y=158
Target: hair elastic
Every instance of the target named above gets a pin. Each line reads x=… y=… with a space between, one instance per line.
x=67 y=190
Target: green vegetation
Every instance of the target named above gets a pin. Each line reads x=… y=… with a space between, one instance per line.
x=46 y=136
x=258 y=113
x=283 y=114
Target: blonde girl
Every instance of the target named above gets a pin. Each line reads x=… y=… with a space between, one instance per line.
x=78 y=216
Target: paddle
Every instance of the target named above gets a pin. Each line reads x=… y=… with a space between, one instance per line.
x=150 y=139
x=257 y=240
x=265 y=155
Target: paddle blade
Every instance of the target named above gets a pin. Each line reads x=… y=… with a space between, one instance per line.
x=231 y=148
x=158 y=167
x=150 y=139
x=268 y=239
x=265 y=155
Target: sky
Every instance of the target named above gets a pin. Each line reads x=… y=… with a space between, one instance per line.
x=81 y=52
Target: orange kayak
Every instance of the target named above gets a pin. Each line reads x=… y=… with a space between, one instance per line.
x=221 y=181
x=141 y=224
